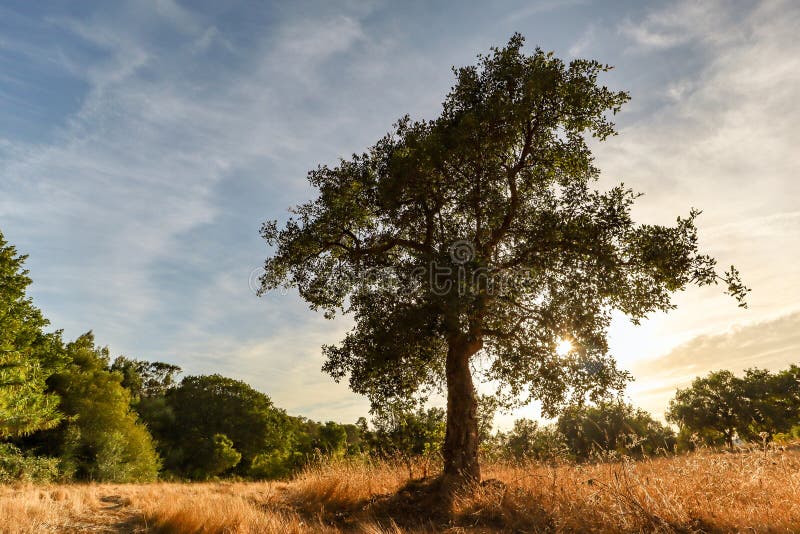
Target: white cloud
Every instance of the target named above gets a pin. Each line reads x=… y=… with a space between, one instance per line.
x=136 y=167
x=541 y=6
x=581 y=46
x=681 y=22
x=140 y=166
x=772 y=344
x=727 y=146
x=725 y=141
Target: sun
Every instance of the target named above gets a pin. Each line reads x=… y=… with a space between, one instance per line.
x=564 y=347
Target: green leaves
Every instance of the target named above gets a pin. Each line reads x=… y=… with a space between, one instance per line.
x=505 y=168
x=24 y=405
x=25 y=362
x=104 y=439
x=736 y=287
x=719 y=406
x=223 y=455
x=613 y=427
x=203 y=407
x=399 y=430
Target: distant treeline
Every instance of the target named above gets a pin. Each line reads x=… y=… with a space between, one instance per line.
x=68 y=411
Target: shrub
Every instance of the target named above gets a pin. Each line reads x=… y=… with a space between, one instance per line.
x=17 y=466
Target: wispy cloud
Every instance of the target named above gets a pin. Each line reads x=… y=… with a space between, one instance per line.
x=138 y=165
x=182 y=130
x=772 y=344
x=542 y=6
x=726 y=144
x=149 y=192
x=677 y=23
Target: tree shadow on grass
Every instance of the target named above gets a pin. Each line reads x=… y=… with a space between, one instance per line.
x=422 y=506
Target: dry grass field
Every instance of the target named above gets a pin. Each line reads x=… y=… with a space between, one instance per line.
x=702 y=492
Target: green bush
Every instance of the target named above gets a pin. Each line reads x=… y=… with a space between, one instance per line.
x=104 y=440
x=16 y=466
x=223 y=456
x=272 y=465
x=787 y=437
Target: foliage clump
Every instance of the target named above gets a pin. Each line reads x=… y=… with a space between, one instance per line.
x=480 y=235
x=721 y=407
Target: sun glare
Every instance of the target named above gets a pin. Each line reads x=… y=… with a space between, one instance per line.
x=564 y=347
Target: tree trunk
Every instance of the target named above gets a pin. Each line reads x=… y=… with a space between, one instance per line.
x=461 y=440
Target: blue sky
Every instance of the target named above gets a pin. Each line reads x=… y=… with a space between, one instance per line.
x=143 y=143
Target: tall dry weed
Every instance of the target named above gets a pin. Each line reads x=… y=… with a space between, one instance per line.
x=748 y=491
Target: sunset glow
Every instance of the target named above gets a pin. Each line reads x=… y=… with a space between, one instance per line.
x=564 y=347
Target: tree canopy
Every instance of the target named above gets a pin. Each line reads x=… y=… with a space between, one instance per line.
x=102 y=437
x=721 y=406
x=25 y=353
x=212 y=415
x=615 y=427
x=478 y=234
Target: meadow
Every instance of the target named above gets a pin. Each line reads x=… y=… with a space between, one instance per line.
x=705 y=491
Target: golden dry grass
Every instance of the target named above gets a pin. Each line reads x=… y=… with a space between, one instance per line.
x=701 y=492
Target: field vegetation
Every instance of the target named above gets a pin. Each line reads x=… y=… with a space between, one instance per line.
x=754 y=490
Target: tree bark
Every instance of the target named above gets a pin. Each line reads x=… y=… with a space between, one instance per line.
x=460 y=450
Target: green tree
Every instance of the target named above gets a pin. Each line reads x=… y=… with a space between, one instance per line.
x=713 y=407
x=307 y=439
x=148 y=384
x=528 y=440
x=355 y=439
x=146 y=379
x=478 y=234
x=25 y=351
x=720 y=406
x=788 y=382
x=398 y=430
x=613 y=427
x=102 y=438
x=771 y=402
x=204 y=406
x=333 y=439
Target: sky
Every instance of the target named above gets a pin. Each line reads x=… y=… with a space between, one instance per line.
x=143 y=143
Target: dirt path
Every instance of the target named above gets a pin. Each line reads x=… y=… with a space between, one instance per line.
x=114 y=515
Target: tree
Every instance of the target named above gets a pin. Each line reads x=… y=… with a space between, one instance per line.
x=148 y=384
x=101 y=438
x=613 y=427
x=204 y=406
x=529 y=441
x=477 y=234
x=146 y=379
x=409 y=433
x=333 y=439
x=788 y=382
x=25 y=351
x=771 y=402
x=720 y=406
x=713 y=407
